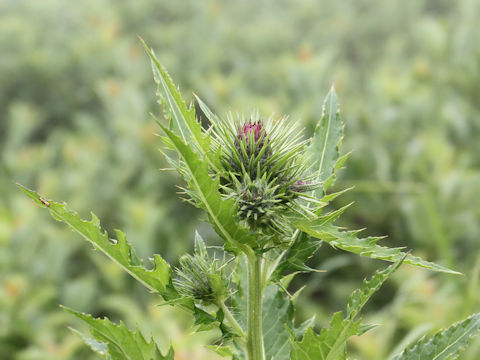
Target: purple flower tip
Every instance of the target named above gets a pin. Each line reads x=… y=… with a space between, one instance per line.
x=255 y=128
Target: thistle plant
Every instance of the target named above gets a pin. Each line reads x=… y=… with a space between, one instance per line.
x=265 y=190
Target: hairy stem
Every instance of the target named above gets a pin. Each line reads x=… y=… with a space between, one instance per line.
x=233 y=323
x=255 y=349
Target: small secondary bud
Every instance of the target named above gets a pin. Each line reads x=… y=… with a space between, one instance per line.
x=200 y=278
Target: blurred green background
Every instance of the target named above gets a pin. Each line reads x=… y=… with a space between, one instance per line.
x=75 y=91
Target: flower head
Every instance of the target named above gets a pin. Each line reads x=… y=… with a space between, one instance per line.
x=263 y=170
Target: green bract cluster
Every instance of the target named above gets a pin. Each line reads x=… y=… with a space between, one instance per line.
x=201 y=277
x=263 y=169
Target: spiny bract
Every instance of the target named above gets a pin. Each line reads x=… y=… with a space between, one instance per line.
x=201 y=277
x=263 y=169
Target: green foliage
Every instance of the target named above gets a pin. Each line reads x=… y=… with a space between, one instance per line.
x=205 y=189
x=158 y=279
x=275 y=326
x=295 y=257
x=221 y=212
x=446 y=344
x=325 y=152
x=349 y=241
x=331 y=342
x=359 y=297
x=325 y=146
x=117 y=342
x=182 y=119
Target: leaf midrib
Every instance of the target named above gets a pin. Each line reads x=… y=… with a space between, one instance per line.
x=102 y=250
x=204 y=198
x=458 y=340
x=327 y=135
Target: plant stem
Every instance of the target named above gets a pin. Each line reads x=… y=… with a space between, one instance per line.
x=233 y=323
x=255 y=349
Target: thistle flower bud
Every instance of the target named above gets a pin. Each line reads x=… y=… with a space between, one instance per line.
x=264 y=171
x=200 y=277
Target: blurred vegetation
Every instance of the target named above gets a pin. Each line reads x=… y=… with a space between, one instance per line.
x=75 y=91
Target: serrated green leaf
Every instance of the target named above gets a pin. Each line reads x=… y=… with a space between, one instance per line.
x=222 y=213
x=223 y=351
x=359 y=297
x=366 y=327
x=299 y=332
x=200 y=248
x=206 y=111
x=332 y=196
x=203 y=319
x=338 y=165
x=324 y=149
x=122 y=344
x=349 y=241
x=445 y=344
x=329 y=344
x=183 y=118
x=277 y=318
x=331 y=216
x=302 y=248
x=99 y=347
x=158 y=279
